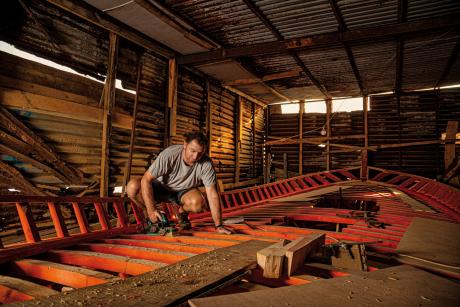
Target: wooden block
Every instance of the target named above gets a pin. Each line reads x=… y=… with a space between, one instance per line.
x=271 y=260
x=299 y=249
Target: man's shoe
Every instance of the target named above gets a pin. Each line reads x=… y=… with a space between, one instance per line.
x=184 y=222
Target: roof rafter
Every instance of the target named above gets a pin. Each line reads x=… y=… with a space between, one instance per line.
x=323 y=40
x=280 y=37
x=343 y=27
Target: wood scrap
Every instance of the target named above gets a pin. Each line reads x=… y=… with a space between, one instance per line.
x=271 y=260
x=298 y=250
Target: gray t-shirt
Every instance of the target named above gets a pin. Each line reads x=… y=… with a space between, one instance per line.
x=170 y=169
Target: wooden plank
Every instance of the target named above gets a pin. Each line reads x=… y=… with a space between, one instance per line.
x=431 y=244
x=260 y=102
x=209 y=112
x=100 y=261
x=271 y=260
x=13 y=177
x=23 y=100
x=171 y=285
x=404 y=286
x=285 y=166
x=23 y=286
x=301 y=248
x=40 y=147
x=63 y=274
x=109 y=102
x=28 y=224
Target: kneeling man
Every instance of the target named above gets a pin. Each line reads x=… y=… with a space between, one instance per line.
x=175 y=177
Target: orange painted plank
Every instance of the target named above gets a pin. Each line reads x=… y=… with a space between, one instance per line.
x=67 y=275
x=173 y=246
x=100 y=261
x=136 y=252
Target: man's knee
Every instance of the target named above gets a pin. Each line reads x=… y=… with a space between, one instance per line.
x=133 y=187
x=193 y=201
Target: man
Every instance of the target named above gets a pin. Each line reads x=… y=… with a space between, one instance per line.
x=174 y=177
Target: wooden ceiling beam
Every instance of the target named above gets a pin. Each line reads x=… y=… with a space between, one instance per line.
x=323 y=40
x=280 y=37
x=11 y=176
x=48 y=154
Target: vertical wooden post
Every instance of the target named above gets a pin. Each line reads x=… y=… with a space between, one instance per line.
x=102 y=216
x=285 y=166
x=109 y=102
x=266 y=149
x=172 y=98
x=364 y=153
x=328 y=133
x=254 y=139
x=301 y=112
x=81 y=218
x=238 y=137
x=208 y=116
x=127 y=174
x=449 y=148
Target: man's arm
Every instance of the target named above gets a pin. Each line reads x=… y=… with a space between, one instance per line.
x=216 y=208
x=147 y=196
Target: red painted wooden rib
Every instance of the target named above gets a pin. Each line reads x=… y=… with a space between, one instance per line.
x=312 y=182
x=28 y=225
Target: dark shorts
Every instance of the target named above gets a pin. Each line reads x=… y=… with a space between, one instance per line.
x=160 y=193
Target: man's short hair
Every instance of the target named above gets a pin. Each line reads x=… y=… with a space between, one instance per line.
x=197 y=136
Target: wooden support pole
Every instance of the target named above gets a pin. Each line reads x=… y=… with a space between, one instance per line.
x=239 y=137
x=208 y=116
x=364 y=152
x=449 y=151
x=266 y=149
x=285 y=166
x=328 y=134
x=132 y=140
x=253 y=119
x=301 y=112
x=109 y=102
x=172 y=98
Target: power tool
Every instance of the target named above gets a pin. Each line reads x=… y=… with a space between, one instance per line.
x=162 y=227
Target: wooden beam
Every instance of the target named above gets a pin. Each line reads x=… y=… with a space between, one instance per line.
x=13 y=177
x=259 y=102
x=109 y=102
x=324 y=40
x=89 y=13
x=298 y=250
x=172 y=98
x=188 y=31
x=328 y=133
x=277 y=76
x=24 y=287
x=253 y=128
x=45 y=151
x=132 y=139
x=239 y=137
x=271 y=260
x=364 y=153
x=290 y=140
x=301 y=112
x=23 y=100
x=285 y=166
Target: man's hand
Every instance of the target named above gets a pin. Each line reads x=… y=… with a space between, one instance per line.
x=154 y=216
x=223 y=230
